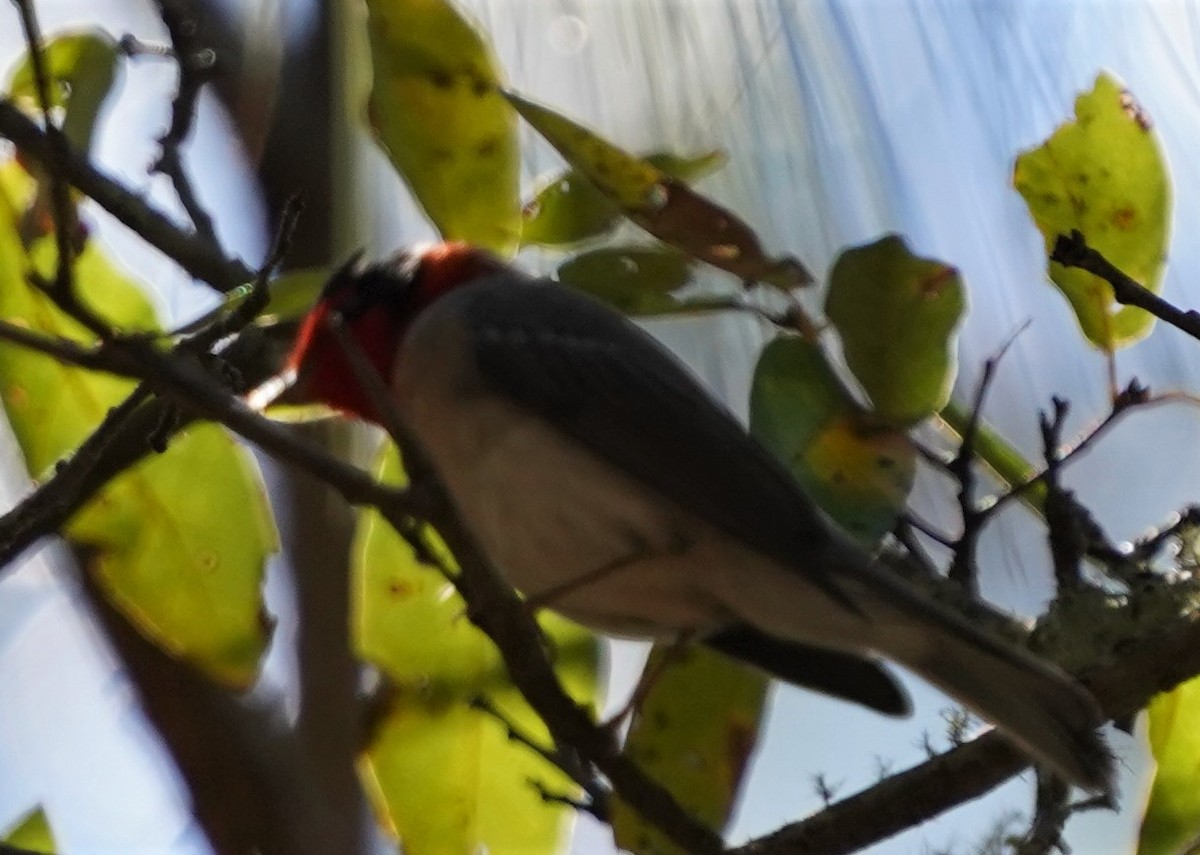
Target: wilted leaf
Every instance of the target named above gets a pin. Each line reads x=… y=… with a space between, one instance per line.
x=436 y=107
x=661 y=204
x=636 y=280
x=1103 y=174
x=32 y=832
x=858 y=470
x=699 y=751
x=1172 y=817
x=178 y=542
x=570 y=208
x=896 y=314
x=442 y=776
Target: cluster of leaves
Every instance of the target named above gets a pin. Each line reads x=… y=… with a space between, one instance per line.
x=440 y=766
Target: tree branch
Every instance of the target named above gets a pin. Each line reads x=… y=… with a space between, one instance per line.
x=197 y=63
x=191 y=252
x=492 y=604
x=1147 y=664
x=1073 y=251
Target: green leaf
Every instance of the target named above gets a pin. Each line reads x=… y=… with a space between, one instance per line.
x=1172 y=817
x=896 y=315
x=436 y=108
x=179 y=544
x=1103 y=174
x=294 y=293
x=636 y=280
x=857 y=469
x=699 y=751
x=84 y=68
x=441 y=775
x=32 y=832
x=180 y=541
x=569 y=208
x=661 y=204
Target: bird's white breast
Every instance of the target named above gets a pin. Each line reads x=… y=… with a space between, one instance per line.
x=568 y=530
x=575 y=534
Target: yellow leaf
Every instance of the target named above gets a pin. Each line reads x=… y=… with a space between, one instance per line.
x=441 y=775
x=436 y=108
x=178 y=542
x=1103 y=174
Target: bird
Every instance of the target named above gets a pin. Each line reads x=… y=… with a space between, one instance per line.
x=604 y=482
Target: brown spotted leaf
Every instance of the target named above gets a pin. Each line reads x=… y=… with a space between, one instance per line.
x=436 y=108
x=1104 y=174
x=699 y=751
x=569 y=208
x=661 y=204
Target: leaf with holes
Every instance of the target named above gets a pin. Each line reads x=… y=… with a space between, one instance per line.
x=180 y=541
x=442 y=775
x=896 y=315
x=436 y=108
x=635 y=280
x=858 y=470
x=1103 y=174
x=1172 y=817
x=699 y=751
x=660 y=203
x=569 y=208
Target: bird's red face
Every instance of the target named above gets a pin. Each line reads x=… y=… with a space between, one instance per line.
x=376 y=305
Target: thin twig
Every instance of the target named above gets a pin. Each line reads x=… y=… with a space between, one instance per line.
x=197 y=64
x=1073 y=251
x=1145 y=548
x=601 y=810
x=905 y=532
x=565 y=761
x=1067 y=544
x=253 y=304
x=1051 y=812
x=1134 y=397
x=927 y=528
x=568 y=766
x=60 y=194
x=963 y=569
x=62 y=287
x=197 y=256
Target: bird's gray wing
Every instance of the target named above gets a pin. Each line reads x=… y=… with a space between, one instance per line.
x=612 y=387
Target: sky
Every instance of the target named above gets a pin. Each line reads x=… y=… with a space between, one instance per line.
x=845 y=120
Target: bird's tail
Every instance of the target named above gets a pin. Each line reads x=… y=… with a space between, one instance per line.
x=1034 y=704
x=1042 y=710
